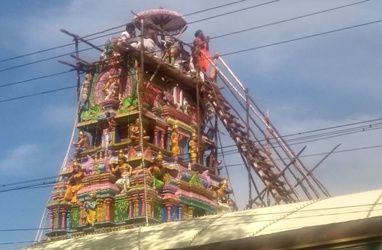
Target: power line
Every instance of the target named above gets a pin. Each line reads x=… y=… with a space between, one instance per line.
x=49 y=184
x=213 y=8
x=289 y=19
x=333 y=127
x=219 y=36
x=225 y=54
x=302 y=38
x=320 y=154
x=38 y=94
x=17 y=242
x=41 y=60
x=32 y=186
x=234 y=11
x=27 y=181
x=234 y=151
x=336 y=132
x=35 y=52
x=22 y=229
x=106 y=30
x=233 y=145
x=35 y=78
x=66 y=54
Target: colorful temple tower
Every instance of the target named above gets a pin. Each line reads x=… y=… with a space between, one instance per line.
x=145 y=151
x=148 y=126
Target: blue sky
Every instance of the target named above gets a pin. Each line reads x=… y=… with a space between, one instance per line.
x=308 y=84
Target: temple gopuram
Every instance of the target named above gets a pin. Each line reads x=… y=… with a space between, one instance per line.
x=143 y=153
x=145 y=167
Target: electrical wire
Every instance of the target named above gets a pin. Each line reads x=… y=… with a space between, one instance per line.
x=21 y=229
x=225 y=54
x=288 y=19
x=17 y=242
x=35 y=78
x=234 y=145
x=51 y=183
x=106 y=30
x=318 y=137
x=38 y=185
x=42 y=60
x=37 y=94
x=323 y=153
x=27 y=181
x=234 y=11
x=302 y=38
x=227 y=34
x=214 y=8
x=234 y=151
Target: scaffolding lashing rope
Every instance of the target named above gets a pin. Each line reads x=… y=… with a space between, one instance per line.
x=274 y=132
x=269 y=126
x=139 y=89
x=40 y=230
x=250 y=147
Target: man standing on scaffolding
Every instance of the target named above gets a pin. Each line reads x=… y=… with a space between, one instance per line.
x=201 y=56
x=200 y=52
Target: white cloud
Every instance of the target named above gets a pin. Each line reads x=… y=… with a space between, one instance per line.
x=20 y=160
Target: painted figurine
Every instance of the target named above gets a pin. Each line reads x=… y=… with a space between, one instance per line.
x=125 y=170
x=90 y=210
x=86 y=88
x=83 y=142
x=135 y=131
x=222 y=191
x=193 y=148
x=74 y=183
x=175 y=138
x=157 y=171
x=111 y=88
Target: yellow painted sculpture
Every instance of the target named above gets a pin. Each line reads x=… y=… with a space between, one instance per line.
x=193 y=148
x=222 y=191
x=175 y=137
x=91 y=210
x=74 y=183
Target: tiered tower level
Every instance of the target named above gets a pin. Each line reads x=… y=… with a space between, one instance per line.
x=147 y=138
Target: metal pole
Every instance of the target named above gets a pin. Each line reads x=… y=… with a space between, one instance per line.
x=139 y=88
x=247 y=128
x=281 y=173
x=199 y=135
x=77 y=70
x=273 y=131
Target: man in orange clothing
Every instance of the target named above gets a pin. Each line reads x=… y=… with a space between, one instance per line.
x=200 y=51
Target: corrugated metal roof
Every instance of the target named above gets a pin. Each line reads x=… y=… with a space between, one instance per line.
x=233 y=226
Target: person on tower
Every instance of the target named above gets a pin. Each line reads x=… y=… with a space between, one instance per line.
x=128 y=34
x=201 y=56
x=200 y=51
x=151 y=43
